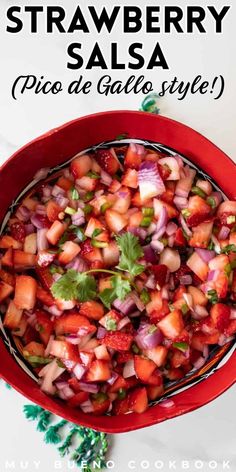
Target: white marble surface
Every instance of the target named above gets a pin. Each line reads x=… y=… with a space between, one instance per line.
x=194 y=440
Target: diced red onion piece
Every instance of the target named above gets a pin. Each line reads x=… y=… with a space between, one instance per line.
x=167 y=403
x=188 y=299
x=62 y=201
x=212 y=275
x=180 y=202
x=141 y=233
x=185 y=279
x=101 y=332
x=151 y=282
x=199 y=363
x=135 y=314
x=29 y=229
x=185 y=226
x=129 y=370
x=149 y=254
x=106 y=179
x=79 y=371
x=216 y=244
x=205 y=351
x=126 y=306
x=157 y=246
x=60 y=384
x=23 y=213
x=149 y=180
x=42 y=242
x=37 y=222
x=171 y=228
x=56 y=190
x=42 y=173
x=78 y=218
x=40 y=210
x=73 y=339
x=139 y=304
x=233 y=313
x=200 y=312
x=164 y=293
x=122 y=323
x=171 y=240
x=78 y=264
x=68 y=392
x=88 y=387
x=146 y=340
x=87 y=407
x=223 y=233
x=47 y=191
x=162 y=221
x=217 y=197
x=151 y=228
x=113 y=378
x=49 y=344
x=205 y=254
x=54 y=310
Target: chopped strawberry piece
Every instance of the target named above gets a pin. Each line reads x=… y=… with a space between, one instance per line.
x=45 y=258
x=134 y=156
x=220 y=315
x=64 y=183
x=45 y=277
x=77 y=399
x=179 y=238
x=160 y=272
x=115 y=221
x=107 y=159
x=99 y=371
x=155 y=378
x=7 y=259
x=143 y=368
x=101 y=403
x=159 y=205
x=130 y=178
x=7 y=242
x=118 y=340
x=231 y=328
x=34 y=349
x=18 y=231
x=172 y=325
x=201 y=235
x=72 y=324
x=25 y=292
x=154 y=392
x=65 y=351
x=183 y=270
x=80 y=166
x=175 y=374
x=120 y=383
x=44 y=296
x=69 y=251
x=178 y=359
x=164 y=171
x=221 y=285
x=44 y=326
x=138 y=400
x=55 y=232
x=199 y=211
x=23 y=260
x=53 y=210
x=7 y=277
x=121 y=407
x=157 y=354
x=92 y=309
x=13 y=315
x=123 y=357
x=89 y=252
x=198 y=266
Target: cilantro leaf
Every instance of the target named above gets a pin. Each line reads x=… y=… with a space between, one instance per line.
x=228 y=248
x=120 y=289
x=131 y=251
x=75 y=286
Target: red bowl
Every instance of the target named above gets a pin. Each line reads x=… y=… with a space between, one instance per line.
x=59 y=145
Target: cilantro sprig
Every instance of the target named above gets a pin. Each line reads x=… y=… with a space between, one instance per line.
x=75 y=286
x=229 y=248
x=131 y=251
x=120 y=288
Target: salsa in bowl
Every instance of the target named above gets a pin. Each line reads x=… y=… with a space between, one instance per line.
x=118 y=278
